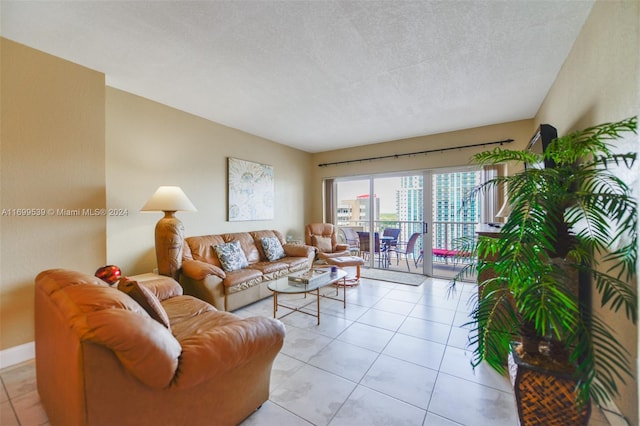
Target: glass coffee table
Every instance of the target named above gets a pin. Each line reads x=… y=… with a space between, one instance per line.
x=321 y=277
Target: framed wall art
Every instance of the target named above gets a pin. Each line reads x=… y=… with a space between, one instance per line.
x=251 y=191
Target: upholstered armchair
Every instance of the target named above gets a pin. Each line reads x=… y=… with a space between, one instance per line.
x=323 y=237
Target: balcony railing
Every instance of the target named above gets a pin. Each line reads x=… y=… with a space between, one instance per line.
x=444 y=234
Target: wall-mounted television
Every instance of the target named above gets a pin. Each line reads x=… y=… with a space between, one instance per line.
x=539 y=142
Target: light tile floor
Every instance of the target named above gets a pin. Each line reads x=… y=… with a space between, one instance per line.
x=396 y=356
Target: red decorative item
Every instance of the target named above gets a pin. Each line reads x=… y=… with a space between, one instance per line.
x=109 y=274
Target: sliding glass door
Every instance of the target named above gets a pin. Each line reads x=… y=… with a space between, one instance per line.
x=387 y=210
x=403 y=227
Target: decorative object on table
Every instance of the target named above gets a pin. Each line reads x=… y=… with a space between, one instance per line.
x=251 y=190
x=308 y=277
x=574 y=217
x=169 y=232
x=109 y=274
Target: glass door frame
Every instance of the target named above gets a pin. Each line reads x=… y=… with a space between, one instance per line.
x=429 y=227
x=481 y=202
x=371 y=208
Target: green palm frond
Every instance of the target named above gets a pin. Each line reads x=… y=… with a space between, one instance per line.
x=565 y=220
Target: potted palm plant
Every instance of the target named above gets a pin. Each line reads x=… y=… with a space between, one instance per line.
x=574 y=219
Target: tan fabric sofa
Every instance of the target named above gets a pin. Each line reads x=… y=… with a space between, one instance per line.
x=202 y=274
x=101 y=359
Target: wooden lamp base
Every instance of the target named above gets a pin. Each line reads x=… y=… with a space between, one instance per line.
x=169 y=244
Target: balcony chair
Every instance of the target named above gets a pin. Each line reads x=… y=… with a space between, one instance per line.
x=409 y=249
x=352 y=239
x=392 y=243
x=323 y=237
x=379 y=250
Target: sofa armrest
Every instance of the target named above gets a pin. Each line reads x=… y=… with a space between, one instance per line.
x=341 y=247
x=198 y=270
x=298 y=250
x=223 y=348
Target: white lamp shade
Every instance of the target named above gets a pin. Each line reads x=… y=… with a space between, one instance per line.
x=169 y=199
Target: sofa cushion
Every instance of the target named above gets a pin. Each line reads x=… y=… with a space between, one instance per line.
x=323 y=244
x=216 y=343
x=269 y=267
x=145 y=298
x=244 y=278
x=295 y=263
x=231 y=256
x=201 y=248
x=272 y=248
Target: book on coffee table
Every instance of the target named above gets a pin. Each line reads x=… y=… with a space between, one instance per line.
x=308 y=277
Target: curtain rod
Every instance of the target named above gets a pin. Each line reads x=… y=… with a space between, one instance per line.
x=409 y=154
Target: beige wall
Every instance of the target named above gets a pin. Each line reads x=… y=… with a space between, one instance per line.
x=599 y=83
x=67 y=142
x=149 y=144
x=519 y=131
x=51 y=157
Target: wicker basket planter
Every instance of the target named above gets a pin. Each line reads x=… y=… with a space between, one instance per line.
x=545 y=397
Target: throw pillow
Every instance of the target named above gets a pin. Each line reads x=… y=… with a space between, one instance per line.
x=272 y=248
x=323 y=244
x=145 y=298
x=231 y=256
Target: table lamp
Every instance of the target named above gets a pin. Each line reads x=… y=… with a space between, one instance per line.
x=169 y=229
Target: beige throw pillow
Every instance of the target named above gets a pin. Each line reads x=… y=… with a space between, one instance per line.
x=323 y=244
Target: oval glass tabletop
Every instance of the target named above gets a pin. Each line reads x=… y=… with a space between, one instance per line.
x=285 y=285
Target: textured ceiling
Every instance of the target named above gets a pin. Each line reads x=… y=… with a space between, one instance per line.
x=317 y=75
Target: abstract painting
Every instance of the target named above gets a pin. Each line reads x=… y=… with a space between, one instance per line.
x=251 y=190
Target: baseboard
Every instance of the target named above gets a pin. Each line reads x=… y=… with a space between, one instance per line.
x=17 y=354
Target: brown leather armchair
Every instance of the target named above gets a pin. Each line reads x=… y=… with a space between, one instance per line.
x=324 y=238
x=103 y=359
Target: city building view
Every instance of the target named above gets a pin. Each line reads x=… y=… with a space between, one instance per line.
x=398 y=202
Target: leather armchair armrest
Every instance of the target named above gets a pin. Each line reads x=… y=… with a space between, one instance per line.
x=198 y=270
x=341 y=247
x=297 y=250
x=144 y=347
x=213 y=352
